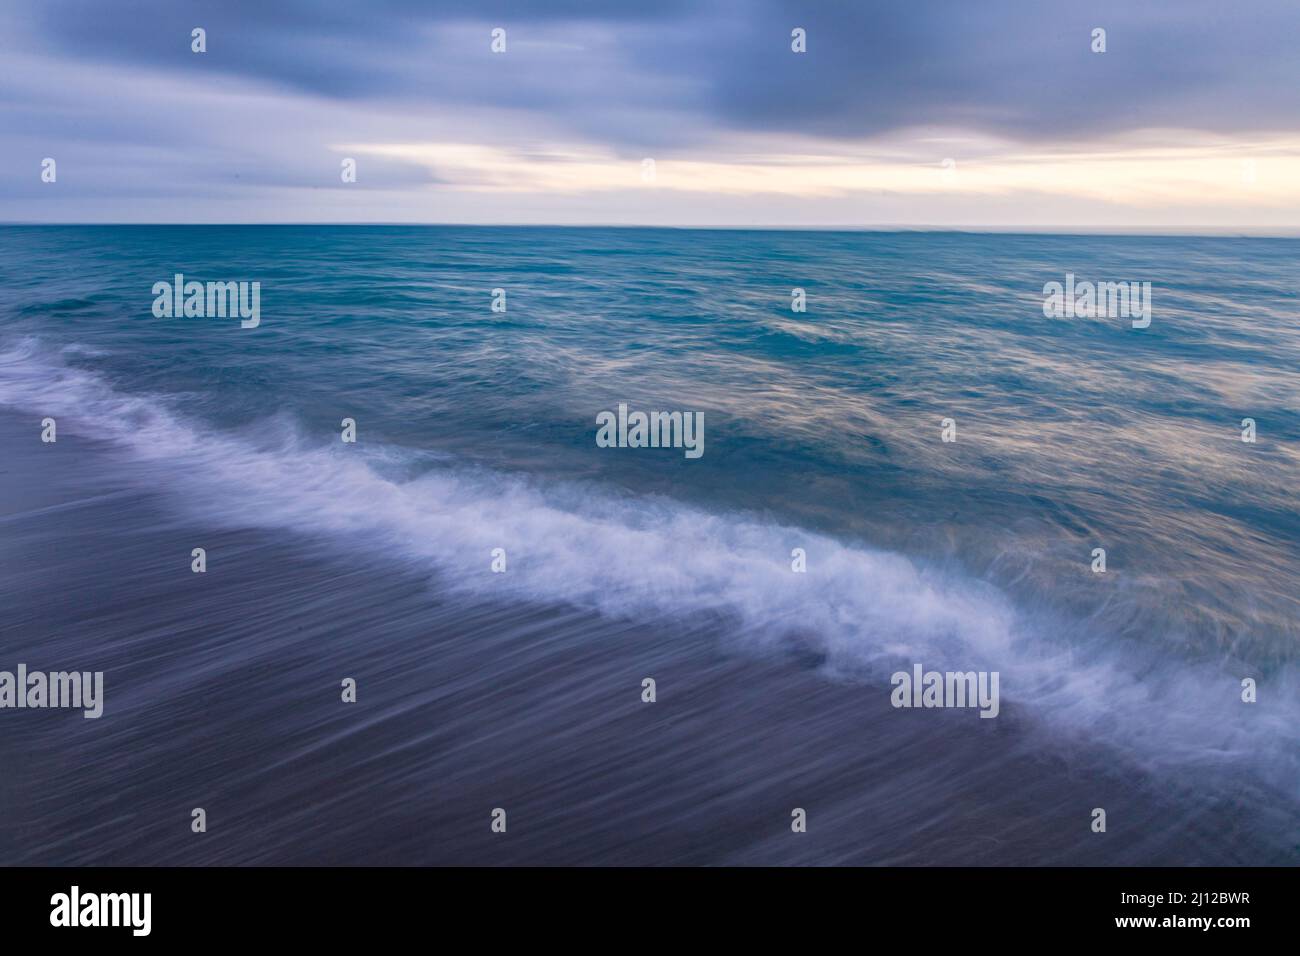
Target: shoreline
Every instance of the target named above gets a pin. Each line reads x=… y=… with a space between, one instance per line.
x=222 y=692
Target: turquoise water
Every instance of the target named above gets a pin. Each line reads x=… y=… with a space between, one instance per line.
x=823 y=432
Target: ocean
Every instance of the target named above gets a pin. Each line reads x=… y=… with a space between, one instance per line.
x=521 y=689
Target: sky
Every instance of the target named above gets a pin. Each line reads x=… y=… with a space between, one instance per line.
x=914 y=113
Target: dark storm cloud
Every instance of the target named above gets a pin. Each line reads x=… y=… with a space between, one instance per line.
x=1016 y=68
x=342 y=48
x=638 y=74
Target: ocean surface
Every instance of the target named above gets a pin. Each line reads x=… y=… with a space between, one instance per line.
x=522 y=690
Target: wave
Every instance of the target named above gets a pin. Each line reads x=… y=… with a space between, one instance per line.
x=864 y=611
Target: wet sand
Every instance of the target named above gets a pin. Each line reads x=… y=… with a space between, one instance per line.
x=223 y=692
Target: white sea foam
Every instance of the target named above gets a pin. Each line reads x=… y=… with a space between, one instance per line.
x=655 y=559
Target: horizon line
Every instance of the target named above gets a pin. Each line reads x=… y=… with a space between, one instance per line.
x=1208 y=232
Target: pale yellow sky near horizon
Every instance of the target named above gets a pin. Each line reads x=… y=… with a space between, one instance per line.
x=1263 y=173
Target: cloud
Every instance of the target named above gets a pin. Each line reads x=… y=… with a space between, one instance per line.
x=710 y=89
x=1016 y=68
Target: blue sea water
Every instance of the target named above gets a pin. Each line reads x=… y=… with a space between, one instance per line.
x=822 y=431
